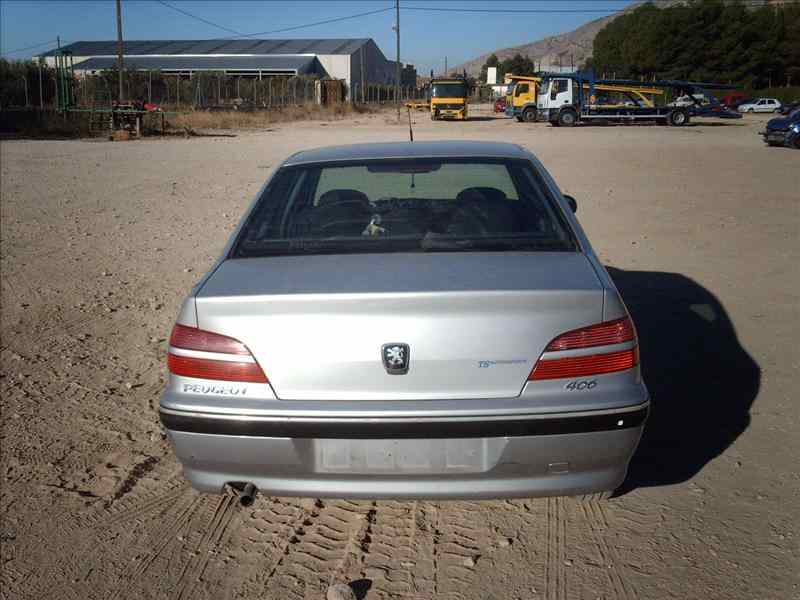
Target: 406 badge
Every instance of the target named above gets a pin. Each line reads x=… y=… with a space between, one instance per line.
x=581 y=385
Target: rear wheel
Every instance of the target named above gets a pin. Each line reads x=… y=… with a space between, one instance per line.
x=678 y=118
x=750 y=110
x=529 y=115
x=567 y=118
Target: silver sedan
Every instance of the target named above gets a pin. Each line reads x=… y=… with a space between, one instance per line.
x=406 y=320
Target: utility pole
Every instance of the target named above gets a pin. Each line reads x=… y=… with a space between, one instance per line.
x=363 y=78
x=41 y=98
x=445 y=66
x=55 y=79
x=397 y=67
x=119 y=48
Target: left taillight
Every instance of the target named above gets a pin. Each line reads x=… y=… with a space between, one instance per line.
x=203 y=354
x=620 y=331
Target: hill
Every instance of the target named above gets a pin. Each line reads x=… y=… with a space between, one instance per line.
x=571 y=48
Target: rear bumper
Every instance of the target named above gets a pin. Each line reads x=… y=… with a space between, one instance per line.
x=451 y=113
x=520 y=456
x=776 y=136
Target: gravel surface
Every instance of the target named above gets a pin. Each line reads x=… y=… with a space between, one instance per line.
x=100 y=241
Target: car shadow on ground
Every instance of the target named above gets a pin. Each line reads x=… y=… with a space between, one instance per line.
x=715 y=124
x=702 y=382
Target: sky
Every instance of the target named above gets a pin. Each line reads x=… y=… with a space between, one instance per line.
x=426 y=36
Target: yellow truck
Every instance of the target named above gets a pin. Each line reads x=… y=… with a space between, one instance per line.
x=523 y=92
x=449 y=99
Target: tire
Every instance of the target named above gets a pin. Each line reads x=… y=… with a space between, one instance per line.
x=678 y=118
x=529 y=115
x=777 y=111
x=567 y=118
x=750 y=110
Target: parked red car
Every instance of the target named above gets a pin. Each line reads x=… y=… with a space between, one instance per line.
x=500 y=105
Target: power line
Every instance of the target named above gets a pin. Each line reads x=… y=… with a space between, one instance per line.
x=335 y=20
x=201 y=19
x=514 y=10
x=30 y=47
x=292 y=28
x=608 y=11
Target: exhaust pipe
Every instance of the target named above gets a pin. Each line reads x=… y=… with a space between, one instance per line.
x=248 y=494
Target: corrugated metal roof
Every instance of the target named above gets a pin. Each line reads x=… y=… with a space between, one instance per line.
x=243 y=46
x=302 y=65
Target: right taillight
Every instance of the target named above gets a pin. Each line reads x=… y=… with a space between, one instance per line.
x=620 y=331
x=203 y=354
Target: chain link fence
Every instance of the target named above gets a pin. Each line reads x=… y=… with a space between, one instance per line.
x=29 y=85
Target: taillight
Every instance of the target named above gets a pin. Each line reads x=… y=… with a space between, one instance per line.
x=552 y=366
x=602 y=334
x=206 y=355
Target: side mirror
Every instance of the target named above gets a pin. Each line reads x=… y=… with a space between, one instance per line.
x=573 y=204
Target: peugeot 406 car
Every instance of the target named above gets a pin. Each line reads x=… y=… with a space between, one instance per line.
x=406 y=320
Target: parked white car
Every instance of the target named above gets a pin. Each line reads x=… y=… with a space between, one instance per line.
x=764 y=105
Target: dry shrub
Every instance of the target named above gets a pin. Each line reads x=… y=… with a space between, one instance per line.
x=240 y=119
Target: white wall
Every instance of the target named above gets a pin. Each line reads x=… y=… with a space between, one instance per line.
x=337 y=66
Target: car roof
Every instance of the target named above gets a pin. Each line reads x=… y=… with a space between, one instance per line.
x=389 y=150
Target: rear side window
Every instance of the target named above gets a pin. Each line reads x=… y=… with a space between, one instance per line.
x=405 y=206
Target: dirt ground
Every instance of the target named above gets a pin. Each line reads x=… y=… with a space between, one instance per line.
x=100 y=241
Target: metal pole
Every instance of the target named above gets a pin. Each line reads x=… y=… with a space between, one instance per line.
x=445 y=66
x=119 y=48
x=25 y=81
x=397 y=66
x=56 y=78
x=41 y=98
x=363 y=82
x=149 y=87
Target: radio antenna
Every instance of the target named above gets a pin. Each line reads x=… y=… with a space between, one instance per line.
x=410 y=131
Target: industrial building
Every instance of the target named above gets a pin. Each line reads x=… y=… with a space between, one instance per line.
x=356 y=61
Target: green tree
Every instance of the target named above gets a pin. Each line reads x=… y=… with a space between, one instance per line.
x=707 y=40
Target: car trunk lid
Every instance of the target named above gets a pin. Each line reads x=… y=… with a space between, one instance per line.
x=475 y=323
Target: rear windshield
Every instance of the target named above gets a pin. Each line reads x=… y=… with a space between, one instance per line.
x=405 y=206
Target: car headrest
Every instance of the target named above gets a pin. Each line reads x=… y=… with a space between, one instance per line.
x=481 y=194
x=341 y=196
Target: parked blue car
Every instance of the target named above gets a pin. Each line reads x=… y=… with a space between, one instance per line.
x=784 y=131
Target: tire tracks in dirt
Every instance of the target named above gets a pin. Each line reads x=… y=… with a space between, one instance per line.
x=596 y=517
x=397 y=551
x=555 y=577
x=318 y=550
x=459 y=541
x=195 y=568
